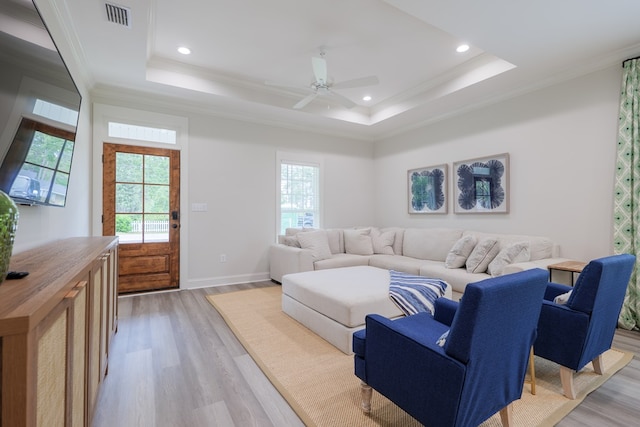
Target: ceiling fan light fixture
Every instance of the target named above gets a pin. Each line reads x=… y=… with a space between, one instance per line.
x=462 y=48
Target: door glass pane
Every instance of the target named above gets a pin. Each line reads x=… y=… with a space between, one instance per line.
x=128 y=167
x=142 y=198
x=156 y=199
x=156 y=170
x=128 y=198
x=156 y=228
x=129 y=228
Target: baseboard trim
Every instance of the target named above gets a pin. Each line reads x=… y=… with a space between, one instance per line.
x=226 y=280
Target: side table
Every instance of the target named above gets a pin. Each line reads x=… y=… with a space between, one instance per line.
x=571 y=267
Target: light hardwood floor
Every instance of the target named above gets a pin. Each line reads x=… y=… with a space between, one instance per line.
x=174 y=362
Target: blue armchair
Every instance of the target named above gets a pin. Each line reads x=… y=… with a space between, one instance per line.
x=479 y=370
x=578 y=332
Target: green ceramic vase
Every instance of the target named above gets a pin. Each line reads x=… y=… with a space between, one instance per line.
x=8 y=224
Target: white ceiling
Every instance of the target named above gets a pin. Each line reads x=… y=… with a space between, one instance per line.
x=237 y=45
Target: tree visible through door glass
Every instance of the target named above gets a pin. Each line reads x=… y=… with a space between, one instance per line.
x=142 y=198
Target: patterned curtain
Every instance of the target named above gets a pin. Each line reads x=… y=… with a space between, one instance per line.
x=626 y=214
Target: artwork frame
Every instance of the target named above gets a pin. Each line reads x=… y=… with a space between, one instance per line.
x=427 y=190
x=482 y=185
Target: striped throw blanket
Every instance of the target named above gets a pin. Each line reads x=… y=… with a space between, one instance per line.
x=414 y=294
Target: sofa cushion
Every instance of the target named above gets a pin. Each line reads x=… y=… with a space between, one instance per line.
x=460 y=251
x=291 y=241
x=358 y=242
x=292 y=231
x=341 y=260
x=382 y=241
x=515 y=252
x=336 y=240
x=396 y=262
x=317 y=242
x=484 y=252
x=413 y=293
x=540 y=247
x=458 y=278
x=398 y=240
x=429 y=243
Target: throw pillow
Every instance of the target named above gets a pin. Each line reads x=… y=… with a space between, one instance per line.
x=460 y=251
x=515 y=252
x=413 y=294
x=484 y=252
x=358 y=242
x=562 y=298
x=443 y=339
x=382 y=241
x=291 y=241
x=317 y=242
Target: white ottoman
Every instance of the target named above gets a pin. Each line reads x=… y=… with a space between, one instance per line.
x=333 y=303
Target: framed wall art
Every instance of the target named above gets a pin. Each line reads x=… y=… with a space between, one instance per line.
x=482 y=185
x=427 y=190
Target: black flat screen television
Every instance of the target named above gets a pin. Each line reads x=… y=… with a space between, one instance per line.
x=39 y=105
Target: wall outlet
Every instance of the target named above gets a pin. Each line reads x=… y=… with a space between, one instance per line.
x=223 y=257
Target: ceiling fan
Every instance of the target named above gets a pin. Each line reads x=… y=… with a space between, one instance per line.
x=323 y=87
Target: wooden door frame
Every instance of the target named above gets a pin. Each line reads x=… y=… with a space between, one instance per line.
x=176 y=200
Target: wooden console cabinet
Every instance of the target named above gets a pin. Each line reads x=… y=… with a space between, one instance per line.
x=56 y=327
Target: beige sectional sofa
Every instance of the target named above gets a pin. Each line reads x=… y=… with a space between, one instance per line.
x=457 y=256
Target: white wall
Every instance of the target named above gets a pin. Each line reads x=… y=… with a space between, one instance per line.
x=562 y=146
x=232 y=168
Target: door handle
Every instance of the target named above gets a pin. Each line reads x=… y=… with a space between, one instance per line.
x=174 y=225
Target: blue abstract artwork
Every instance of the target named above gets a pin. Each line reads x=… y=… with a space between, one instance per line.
x=427 y=189
x=482 y=184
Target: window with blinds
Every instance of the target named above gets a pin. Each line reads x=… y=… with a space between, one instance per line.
x=299 y=195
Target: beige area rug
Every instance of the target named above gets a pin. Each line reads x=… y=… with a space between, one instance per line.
x=318 y=381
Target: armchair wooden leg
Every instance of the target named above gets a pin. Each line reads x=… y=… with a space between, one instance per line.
x=597 y=365
x=365 y=393
x=506 y=415
x=566 y=377
x=532 y=371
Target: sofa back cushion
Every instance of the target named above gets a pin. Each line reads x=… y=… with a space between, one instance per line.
x=429 y=243
x=358 y=242
x=540 y=247
x=398 y=239
x=317 y=242
x=336 y=240
x=383 y=241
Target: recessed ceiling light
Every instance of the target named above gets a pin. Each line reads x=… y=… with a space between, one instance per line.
x=366 y=98
x=462 y=48
x=184 y=50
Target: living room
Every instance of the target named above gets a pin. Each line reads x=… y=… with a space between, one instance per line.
x=561 y=138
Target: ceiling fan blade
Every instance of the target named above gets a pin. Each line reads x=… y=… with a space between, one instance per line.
x=319 y=69
x=361 y=82
x=346 y=102
x=304 y=101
